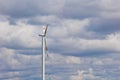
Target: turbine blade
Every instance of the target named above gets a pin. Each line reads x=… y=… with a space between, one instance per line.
x=45 y=30
x=46 y=47
x=40 y=35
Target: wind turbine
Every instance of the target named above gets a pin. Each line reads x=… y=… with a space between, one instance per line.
x=44 y=49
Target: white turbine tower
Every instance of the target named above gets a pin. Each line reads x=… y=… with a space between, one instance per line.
x=44 y=48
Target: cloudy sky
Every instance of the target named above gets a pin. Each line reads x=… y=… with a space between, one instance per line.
x=83 y=39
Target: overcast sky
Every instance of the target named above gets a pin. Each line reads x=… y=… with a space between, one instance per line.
x=83 y=39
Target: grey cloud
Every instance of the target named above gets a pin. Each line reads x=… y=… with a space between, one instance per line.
x=13 y=36
x=105 y=25
x=21 y=9
x=90 y=47
x=57 y=64
x=17 y=8
x=108 y=20
x=19 y=66
x=68 y=9
x=16 y=66
x=81 y=9
x=69 y=36
x=76 y=28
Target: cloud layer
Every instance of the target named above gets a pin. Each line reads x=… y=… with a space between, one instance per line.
x=83 y=39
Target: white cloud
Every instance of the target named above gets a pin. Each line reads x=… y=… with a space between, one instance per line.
x=61 y=59
x=76 y=27
x=14 y=65
x=20 y=35
x=70 y=27
x=14 y=60
x=25 y=64
x=78 y=77
x=70 y=32
x=110 y=4
x=81 y=75
x=110 y=8
x=108 y=44
x=73 y=60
